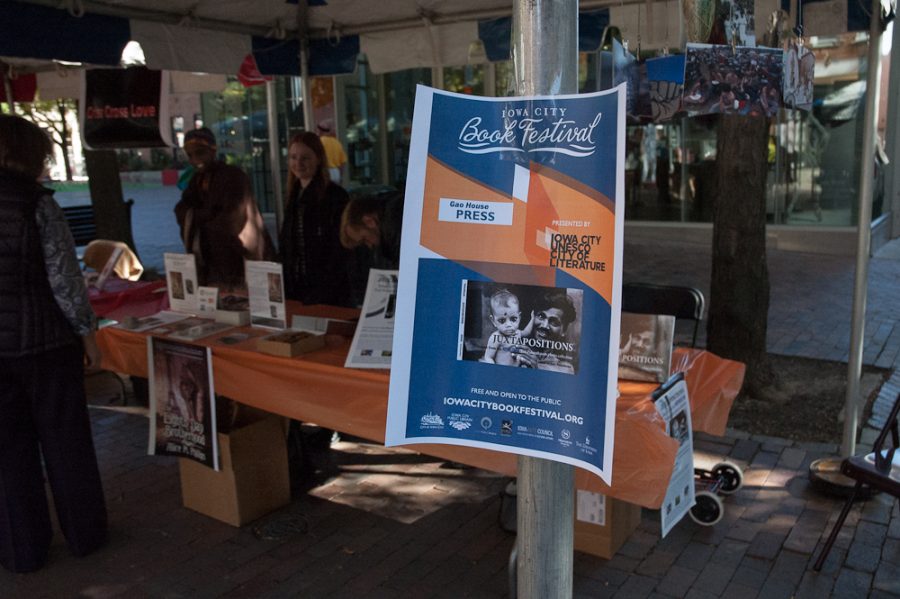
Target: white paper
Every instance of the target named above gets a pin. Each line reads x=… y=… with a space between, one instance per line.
x=373 y=341
x=207 y=297
x=181 y=277
x=108 y=267
x=675 y=409
x=591 y=507
x=265 y=287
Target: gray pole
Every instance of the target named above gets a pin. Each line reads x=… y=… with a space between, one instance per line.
x=545 y=61
x=274 y=153
x=864 y=201
x=7 y=89
x=305 y=87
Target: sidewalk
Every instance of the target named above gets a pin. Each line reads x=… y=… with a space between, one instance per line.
x=395 y=524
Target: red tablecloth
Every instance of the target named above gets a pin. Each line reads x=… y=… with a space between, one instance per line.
x=121 y=298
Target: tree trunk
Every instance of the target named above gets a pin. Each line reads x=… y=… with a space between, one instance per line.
x=64 y=136
x=739 y=289
x=112 y=214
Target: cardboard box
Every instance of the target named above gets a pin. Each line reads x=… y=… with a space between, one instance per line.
x=253 y=479
x=291 y=343
x=603 y=524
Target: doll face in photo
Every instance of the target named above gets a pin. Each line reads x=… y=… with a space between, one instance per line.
x=506 y=318
x=303 y=162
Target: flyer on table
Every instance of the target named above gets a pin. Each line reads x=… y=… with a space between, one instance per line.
x=507 y=317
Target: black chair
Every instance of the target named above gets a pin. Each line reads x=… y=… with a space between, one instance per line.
x=877 y=470
x=681 y=302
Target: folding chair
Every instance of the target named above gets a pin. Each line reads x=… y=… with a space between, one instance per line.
x=879 y=470
x=681 y=302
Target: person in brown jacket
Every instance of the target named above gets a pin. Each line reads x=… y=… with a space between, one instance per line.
x=218 y=217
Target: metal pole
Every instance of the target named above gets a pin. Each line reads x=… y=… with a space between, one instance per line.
x=305 y=88
x=864 y=201
x=545 y=61
x=274 y=153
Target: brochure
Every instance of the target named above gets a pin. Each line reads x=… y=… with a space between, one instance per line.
x=645 y=348
x=146 y=323
x=182 y=401
x=372 y=345
x=509 y=288
x=181 y=277
x=207 y=299
x=265 y=284
x=672 y=403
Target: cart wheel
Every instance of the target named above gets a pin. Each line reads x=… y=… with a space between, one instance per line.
x=731 y=476
x=708 y=510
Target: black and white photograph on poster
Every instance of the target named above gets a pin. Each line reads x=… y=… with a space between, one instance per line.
x=181 y=276
x=799 y=71
x=522 y=326
x=727 y=80
x=672 y=404
x=645 y=346
x=182 y=401
x=373 y=339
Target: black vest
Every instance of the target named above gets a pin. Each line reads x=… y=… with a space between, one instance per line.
x=31 y=322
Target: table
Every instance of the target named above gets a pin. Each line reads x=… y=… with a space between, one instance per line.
x=316 y=387
x=121 y=298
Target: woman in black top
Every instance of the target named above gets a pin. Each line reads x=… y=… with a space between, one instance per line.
x=315 y=263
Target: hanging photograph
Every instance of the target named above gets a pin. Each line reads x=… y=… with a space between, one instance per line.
x=665 y=77
x=799 y=71
x=182 y=405
x=727 y=80
x=737 y=18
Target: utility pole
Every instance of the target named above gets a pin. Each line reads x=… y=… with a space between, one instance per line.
x=545 y=62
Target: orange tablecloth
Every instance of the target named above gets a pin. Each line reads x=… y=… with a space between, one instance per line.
x=317 y=388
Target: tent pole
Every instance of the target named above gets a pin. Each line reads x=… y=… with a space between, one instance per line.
x=545 y=62
x=864 y=201
x=274 y=153
x=305 y=84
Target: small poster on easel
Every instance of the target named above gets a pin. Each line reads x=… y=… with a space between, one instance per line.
x=181 y=277
x=671 y=401
x=265 y=287
x=108 y=267
x=373 y=340
x=182 y=401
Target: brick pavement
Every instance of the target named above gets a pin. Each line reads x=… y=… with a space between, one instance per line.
x=393 y=524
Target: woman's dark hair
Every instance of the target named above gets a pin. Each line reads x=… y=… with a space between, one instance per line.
x=311 y=141
x=24 y=147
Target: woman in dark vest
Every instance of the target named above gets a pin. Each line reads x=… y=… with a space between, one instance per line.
x=46 y=340
x=315 y=263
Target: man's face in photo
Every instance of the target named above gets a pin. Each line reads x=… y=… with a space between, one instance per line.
x=641 y=342
x=548 y=324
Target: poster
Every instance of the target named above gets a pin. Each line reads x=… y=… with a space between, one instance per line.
x=182 y=401
x=374 y=337
x=122 y=108
x=672 y=403
x=508 y=299
x=181 y=279
x=265 y=287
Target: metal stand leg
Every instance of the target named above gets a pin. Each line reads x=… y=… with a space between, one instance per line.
x=837 y=528
x=511 y=569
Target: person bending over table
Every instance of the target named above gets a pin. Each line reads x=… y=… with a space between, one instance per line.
x=218 y=217
x=46 y=339
x=315 y=264
x=374 y=221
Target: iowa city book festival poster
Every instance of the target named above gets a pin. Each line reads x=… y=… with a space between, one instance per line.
x=508 y=309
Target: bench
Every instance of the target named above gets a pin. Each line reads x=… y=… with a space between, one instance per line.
x=81 y=223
